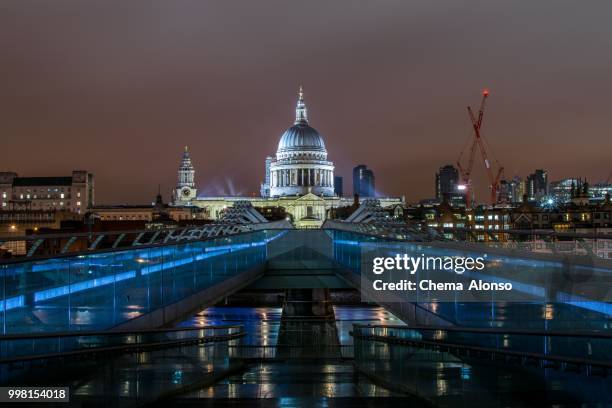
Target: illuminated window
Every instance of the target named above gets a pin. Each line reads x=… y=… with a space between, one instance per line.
x=62 y=195
x=78 y=203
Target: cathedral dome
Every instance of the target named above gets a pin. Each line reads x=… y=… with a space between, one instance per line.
x=300 y=165
x=301 y=137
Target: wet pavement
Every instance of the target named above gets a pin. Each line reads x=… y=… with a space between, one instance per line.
x=306 y=378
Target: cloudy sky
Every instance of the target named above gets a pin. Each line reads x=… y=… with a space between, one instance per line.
x=118 y=88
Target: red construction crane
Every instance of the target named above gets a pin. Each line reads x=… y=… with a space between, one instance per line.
x=466 y=172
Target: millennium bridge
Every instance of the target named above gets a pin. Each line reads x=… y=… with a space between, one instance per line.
x=158 y=318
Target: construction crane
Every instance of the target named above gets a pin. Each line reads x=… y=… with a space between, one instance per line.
x=477 y=141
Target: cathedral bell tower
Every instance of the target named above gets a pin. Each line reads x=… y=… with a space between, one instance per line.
x=185 y=190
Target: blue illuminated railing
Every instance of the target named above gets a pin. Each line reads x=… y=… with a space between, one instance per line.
x=561 y=306
x=102 y=289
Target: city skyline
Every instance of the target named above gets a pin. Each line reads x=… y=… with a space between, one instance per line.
x=123 y=104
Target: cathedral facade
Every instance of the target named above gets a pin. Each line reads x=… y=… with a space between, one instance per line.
x=299 y=178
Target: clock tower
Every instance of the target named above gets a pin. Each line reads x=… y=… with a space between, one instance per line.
x=185 y=190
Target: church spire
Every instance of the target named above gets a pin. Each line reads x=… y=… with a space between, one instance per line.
x=301 y=113
x=186 y=171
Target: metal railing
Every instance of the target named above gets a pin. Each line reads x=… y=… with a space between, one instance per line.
x=568 y=351
x=55 y=245
x=391 y=230
x=16 y=348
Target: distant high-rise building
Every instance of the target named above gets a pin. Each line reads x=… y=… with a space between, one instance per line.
x=338 y=186
x=511 y=191
x=561 y=191
x=447 y=181
x=504 y=193
x=71 y=193
x=363 y=181
x=265 y=186
x=518 y=189
x=537 y=185
x=599 y=190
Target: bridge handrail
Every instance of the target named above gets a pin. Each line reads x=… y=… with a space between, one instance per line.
x=494 y=351
x=20 y=259
x=493 y=330
x=587 y=349
x=109 y=332
x=38 y=346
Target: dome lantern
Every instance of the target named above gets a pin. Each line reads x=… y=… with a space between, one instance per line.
x=301 y=113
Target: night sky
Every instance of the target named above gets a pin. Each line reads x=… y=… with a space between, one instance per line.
x=119 y=87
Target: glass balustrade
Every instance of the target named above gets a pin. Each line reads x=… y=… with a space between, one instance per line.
x=102 y=289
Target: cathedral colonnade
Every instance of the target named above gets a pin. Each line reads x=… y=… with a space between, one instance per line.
x=302 y=177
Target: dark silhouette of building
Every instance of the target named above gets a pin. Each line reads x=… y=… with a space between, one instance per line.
x=537 y=185
x=338 y=186
x=363 y=181
x=447 y=180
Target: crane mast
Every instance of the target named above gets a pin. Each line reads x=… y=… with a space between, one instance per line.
x=478 y=144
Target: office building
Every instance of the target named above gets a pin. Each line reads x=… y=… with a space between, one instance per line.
x=363 y=181
x=339 y=186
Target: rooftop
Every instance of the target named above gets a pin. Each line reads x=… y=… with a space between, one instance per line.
x=42 y=181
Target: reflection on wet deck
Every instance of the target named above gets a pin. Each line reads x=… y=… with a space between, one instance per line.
x=302 y=377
